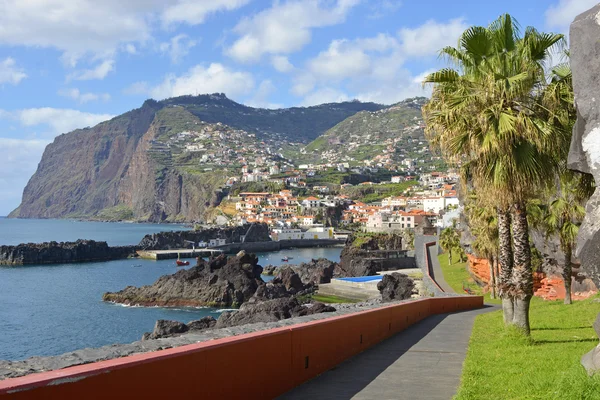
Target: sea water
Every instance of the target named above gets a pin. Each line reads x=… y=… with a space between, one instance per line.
x=52 y=309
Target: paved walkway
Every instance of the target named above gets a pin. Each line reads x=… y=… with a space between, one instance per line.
x=438 y=275
x=422 y=362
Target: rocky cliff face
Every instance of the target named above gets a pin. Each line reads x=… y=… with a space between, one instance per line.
x=584 y=154
x=132 y=167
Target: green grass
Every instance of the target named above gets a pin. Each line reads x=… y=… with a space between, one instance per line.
x=456 y=274
x=502 y=364
x=332 y=299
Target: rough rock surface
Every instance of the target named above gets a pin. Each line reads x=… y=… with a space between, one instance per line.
x=181 y=239
x=166 y=328
x=314 y=272
x=395 y=286
x=63 y=252
x=286 y=284
x=354 y=259
x=221 y=282
x=269 y=311
x=584 y=154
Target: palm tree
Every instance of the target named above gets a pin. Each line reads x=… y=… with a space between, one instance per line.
x=447 y=243
x=484 y=227
x=483 y=116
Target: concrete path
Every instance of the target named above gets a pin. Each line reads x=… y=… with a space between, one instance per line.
x=438 y=275
x=422 y=362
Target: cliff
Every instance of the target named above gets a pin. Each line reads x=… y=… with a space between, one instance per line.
x=166 y=161
x=64 y=252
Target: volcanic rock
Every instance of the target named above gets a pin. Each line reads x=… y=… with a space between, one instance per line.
x=395 y=286
x=220 y=282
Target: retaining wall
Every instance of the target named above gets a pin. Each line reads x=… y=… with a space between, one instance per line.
x=260 y=365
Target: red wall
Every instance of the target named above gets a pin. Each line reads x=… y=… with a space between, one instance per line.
x=259 y=365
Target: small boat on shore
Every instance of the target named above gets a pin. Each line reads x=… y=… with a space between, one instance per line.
x=182 y=263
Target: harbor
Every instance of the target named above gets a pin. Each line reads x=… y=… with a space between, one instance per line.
x=177 y=253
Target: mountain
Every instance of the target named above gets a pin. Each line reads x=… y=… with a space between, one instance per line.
x=297 y=124
x=167 y=160
x=392 y=133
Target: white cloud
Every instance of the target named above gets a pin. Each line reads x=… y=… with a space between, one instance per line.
x=60 y=120
x=325 y=95
x=10 y=73
x=560 y=16
x=262 y=94
x=343 y=59
x=200 y=79
x=83 y=98
x=427 y=39
x=194 y=12
x=98 y=72
x=178 y=47
x=372 y=68
x=281 y=64
x=384 y=8
x=285 y=27
x=80 y=28
x=130 y=48
x=20 y=158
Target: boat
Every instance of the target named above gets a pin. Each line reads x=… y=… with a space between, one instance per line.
x=182 y=263
x=285 y=259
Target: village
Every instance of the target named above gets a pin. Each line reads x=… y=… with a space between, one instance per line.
x=430 y=201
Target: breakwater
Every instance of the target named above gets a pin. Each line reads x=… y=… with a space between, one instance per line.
x=263 y=247
x=63 y=252
x=248 y=233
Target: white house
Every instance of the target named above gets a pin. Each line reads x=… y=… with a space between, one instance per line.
x=311 y=202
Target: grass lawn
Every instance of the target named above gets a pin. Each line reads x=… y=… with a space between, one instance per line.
x=502 y=364
x=456 y=274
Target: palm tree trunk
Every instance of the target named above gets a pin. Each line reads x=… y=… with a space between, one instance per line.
x=505 y=259
x=567 y=271
x=492 y=261
x=522 y=276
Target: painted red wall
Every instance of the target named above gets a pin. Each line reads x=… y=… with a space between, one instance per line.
x=260 y=365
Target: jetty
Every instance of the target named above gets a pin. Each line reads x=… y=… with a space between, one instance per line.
x=178 y=253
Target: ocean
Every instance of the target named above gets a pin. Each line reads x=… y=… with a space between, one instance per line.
x=53 y=309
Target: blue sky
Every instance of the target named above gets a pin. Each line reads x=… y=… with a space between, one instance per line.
x=66 y=64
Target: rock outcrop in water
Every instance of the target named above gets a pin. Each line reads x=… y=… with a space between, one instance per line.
x=181 y=239
x=220 y=282
x=63 y=252
x=584 y=154
x=356 y=259
x=313 y=272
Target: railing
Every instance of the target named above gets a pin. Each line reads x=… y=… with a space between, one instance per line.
x=260 y=365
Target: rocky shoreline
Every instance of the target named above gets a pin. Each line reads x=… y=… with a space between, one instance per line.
x=63 y=252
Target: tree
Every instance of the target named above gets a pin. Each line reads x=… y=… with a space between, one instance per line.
x=484 y=116
x=450 y=242
x=484 y=227
x=561 y=215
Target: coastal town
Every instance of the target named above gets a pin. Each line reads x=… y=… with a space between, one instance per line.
x=431 y=200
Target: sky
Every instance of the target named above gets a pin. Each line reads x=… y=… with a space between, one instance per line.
x=67 y=64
